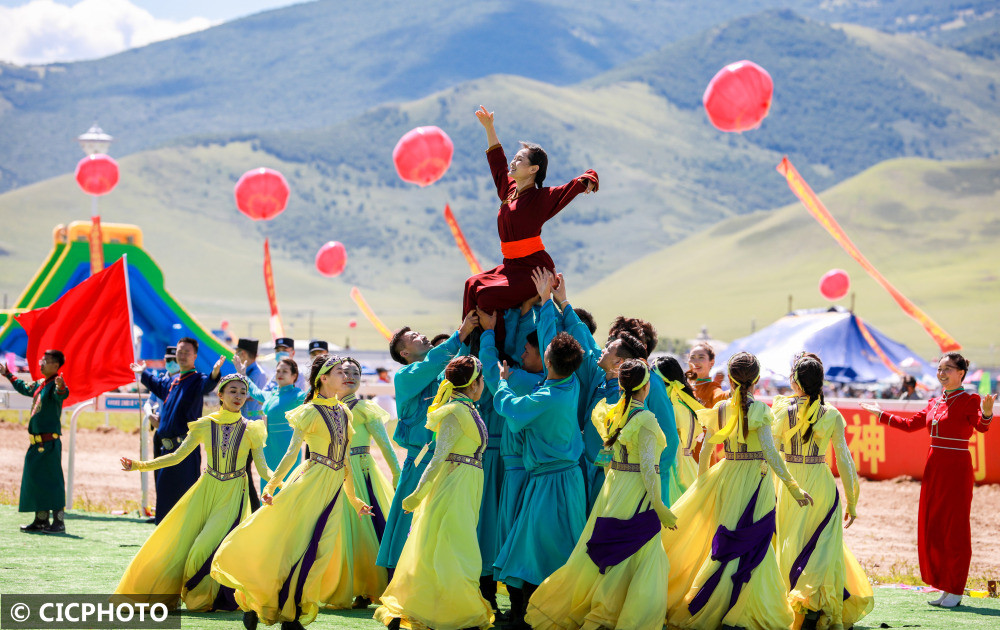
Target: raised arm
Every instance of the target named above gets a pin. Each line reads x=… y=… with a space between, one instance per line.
x=917 y=422
x=187 y=447
x=519 y=411
x=554 y=199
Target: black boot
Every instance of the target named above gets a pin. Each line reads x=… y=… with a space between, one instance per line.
x=40 y=523
x=57 y=526
x=488 y=588
x=361 y=602
x=394 y=624
x=292 y=625
x=250 y=620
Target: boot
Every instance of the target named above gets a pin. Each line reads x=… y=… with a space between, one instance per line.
x=58 y=526
x=40 y=523
x=292 y=625
x=950 y=600
x=361 y=602
x=250 y=620
x=394 y=624
x=488 y=588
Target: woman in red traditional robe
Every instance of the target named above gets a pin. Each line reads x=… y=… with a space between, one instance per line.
x=944 y=533
x=524 y=207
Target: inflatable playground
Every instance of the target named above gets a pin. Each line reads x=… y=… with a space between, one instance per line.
x=160 y=318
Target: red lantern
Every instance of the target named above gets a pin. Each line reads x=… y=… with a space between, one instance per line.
x=353 y=323
x=834 y=284
x=331 y=259
x=739 y=96
x=261 y=194
x=423 y=155
x=97 y=174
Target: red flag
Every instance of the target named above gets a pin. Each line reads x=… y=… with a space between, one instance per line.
x=463 y=244
x=277 y=330
x=90 y=324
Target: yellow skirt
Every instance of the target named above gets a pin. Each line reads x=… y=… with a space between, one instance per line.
x=436 y=583
x=627 y=595
x=830 y=568
x=369 y=580
x=263 y=558
x=720 y=498
x=182 y=543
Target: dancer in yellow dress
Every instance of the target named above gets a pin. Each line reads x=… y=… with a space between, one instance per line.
x=291 y=557
x=686 y=408
x=617 y=573
x=723 y=570
x=818 y=568
x=436 y=583
x=370 y=485
x=175 y=559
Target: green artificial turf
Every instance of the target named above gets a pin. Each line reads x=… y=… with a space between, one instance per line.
x=91 y=556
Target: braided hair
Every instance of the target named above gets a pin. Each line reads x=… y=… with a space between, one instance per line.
x=809 y=373
x=744 y=369
x=630 y=374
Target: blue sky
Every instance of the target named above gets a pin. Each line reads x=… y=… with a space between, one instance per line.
x=45 y=31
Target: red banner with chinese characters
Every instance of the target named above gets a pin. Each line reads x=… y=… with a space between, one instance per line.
x=277 y=330
x=819 y=212
x=883 y=453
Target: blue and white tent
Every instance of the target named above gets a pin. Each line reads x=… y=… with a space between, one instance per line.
x=852 y=350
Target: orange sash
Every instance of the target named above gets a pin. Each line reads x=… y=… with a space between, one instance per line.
x=522 y=248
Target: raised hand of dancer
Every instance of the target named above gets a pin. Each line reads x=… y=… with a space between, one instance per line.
x=806 y=499
x=505 y=371
x=137 y=367
x=543 y=279
x=241 y=368
x=126 y=464
x=988 y=401
x=60 y=383
x=216 y=369
x=486 y=320
x=468 y=325
x=590 y=189
x=872 y=407
x=559 y=289
x=486 y=120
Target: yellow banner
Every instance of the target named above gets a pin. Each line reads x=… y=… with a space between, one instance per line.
x=463 y=244
x=277 y=329
x=819 y=212
x=369 y=313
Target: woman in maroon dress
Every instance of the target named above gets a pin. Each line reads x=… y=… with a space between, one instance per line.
x=944 y=534
x=524 y=207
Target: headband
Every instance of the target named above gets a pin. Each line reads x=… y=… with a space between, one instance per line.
x=446 y=389
x=333 y=361
x=229 y=378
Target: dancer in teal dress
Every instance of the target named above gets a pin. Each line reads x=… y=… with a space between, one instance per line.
x=416 y=383
x=553 y=512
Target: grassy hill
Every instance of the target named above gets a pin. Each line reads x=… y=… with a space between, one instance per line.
x=930 y=227
x=318 y=63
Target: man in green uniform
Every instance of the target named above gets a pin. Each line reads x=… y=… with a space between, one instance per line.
x=42 y=485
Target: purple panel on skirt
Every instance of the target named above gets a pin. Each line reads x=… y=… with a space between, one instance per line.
x=615 y=540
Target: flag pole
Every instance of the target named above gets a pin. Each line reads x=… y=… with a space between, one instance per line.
x=143 y=431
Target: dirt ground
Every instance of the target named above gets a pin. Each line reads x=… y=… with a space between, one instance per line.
x=883 y=538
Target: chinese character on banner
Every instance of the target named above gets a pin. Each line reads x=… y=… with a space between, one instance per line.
x=867 y=442
x=977 y=445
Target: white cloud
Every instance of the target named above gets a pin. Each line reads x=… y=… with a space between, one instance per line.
x=44 y=31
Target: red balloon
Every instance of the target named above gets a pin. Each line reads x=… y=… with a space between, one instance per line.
x=353 y=323
x=423 y=155
x=97 y=174
x=331 y=259
x=834 y=284
x=261 y=194
x=739 y=96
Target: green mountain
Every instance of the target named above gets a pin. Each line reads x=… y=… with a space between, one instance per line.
x=318 y=63
x=928 y=226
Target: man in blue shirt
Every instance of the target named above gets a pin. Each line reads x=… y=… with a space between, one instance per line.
x=183 y=396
